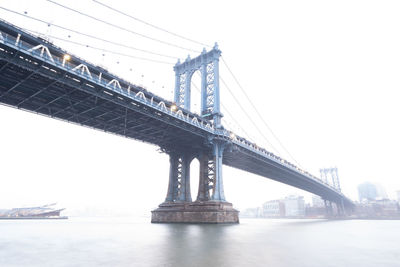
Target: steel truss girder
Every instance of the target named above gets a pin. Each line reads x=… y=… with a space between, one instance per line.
x=33 y=72
x=72 y=106
x=41 y=90
x=147 y=112
x=54 y=100
x=264 y=167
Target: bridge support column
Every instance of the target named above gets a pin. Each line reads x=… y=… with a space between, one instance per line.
x=210 y=205
x=328 y=208
x=343 y=210
x=205 y=177
x=179 y=178
x=218 y=190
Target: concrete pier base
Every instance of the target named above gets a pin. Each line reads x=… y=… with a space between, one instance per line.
x=195 y=212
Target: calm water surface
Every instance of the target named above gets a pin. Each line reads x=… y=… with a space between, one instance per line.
x=254 y=242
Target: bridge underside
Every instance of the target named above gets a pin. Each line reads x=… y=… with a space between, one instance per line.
x=38 y=89
x=251 y=162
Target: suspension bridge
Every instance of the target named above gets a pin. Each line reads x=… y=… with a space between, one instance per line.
x=39 y=77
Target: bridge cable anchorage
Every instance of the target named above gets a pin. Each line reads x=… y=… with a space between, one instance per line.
x=225 y=111
x=151 y=25
x=258 y=113
x=85 y=34
x=104 y=50
x=122 y=28
x=249 y=117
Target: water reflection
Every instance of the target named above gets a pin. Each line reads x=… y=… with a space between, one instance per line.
x=188 y=244
x=128 y=242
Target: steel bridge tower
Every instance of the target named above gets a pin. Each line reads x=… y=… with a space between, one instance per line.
x=334 y=177
x=210 y=205
x=330 y=176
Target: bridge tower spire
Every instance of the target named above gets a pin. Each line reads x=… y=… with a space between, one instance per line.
x=208 y=64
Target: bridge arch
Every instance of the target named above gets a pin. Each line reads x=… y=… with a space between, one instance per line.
x=195 y=91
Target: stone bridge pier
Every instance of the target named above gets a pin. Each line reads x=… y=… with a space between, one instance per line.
x=210 y=205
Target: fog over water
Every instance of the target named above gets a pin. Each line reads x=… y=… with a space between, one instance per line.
x=254 y=242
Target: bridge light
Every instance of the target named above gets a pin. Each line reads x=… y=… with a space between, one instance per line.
x=65 y=58
x=174 y=107
x=232 y=136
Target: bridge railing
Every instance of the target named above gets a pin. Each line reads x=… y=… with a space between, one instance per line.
x=44 y=50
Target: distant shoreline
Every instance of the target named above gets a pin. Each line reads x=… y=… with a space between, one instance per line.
x=34 y=218
x=325 y=218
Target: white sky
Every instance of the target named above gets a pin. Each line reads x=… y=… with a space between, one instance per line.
x=325 y=75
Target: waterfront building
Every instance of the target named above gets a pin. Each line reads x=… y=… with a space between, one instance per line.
x=251 y=213
x=273 y=209
x=382 y=208
x=294 y=206
x=46 y=211
x=315 y=211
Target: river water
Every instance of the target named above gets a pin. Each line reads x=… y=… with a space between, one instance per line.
x=254 y=242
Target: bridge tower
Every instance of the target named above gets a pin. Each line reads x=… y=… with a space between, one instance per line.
x=210 y=205
x=208 y=64
x=330 y=176
x=334 y=177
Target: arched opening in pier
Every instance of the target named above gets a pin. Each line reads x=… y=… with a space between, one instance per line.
x=194 y=178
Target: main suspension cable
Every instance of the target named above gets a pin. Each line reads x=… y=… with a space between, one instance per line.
x=258 y=113
x=227 y=112
x=122 y=28
x=102 y=49
x=248 y=116
x=88 y=35
x=149 y=24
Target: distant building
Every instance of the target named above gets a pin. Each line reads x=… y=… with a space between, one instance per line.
x=251 y=213
x=273 y=209
x=369 y=192
x=317 y=201
x=315 y=211
x=381 y=192
x=46 y=211
x=383 y=208
x=294 y=206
